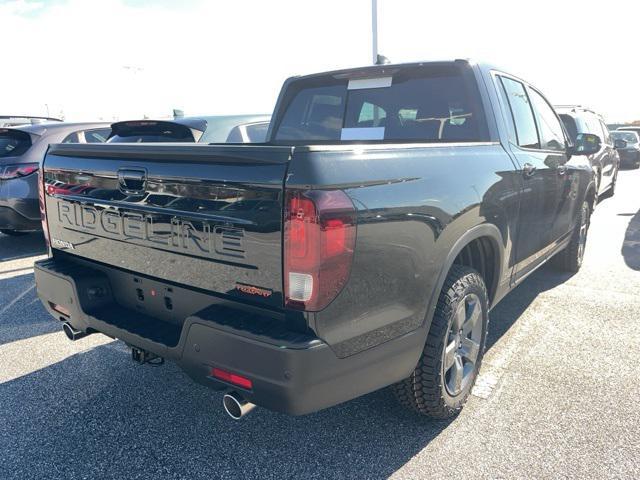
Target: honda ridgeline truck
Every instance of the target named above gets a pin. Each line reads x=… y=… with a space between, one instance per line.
x=361 y=246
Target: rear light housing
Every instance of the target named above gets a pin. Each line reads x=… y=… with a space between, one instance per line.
x=16 y=171
x=319 y=241
x=43 y=206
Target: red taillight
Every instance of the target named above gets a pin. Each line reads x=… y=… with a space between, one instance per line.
x=232 y=378
x=319 y=239
x=16 y=171
x=43 y=206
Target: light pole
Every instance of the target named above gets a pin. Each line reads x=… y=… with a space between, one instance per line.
x=374 y=29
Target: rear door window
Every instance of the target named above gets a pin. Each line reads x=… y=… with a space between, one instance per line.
x=13 y=143
x=521 y=113
x=437 y=103
x=549 y=126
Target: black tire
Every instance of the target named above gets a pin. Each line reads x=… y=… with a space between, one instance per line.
x=611 y=191
x=427 y=390
x=614 y=182
x=570 y=259
x=13 y=233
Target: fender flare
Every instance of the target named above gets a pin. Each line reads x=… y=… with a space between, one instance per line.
x=484 y=230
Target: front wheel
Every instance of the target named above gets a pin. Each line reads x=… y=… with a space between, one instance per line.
x=570 y=259
x=446 y=372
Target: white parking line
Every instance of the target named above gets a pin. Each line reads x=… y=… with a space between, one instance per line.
x=503 y=353
x=16 y=300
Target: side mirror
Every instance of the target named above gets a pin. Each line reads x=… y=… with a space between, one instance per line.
x=617 y=144
x=586 y=144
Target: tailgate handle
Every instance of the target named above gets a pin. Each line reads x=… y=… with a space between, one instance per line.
x=132 y=182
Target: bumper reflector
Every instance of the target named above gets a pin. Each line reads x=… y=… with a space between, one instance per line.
x=232 y=378
x=60 y=309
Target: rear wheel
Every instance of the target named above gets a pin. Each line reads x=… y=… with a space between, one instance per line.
x=570 y=259
x=611 y=191
x=446 y=372
x=612 y=188
x=13 y=233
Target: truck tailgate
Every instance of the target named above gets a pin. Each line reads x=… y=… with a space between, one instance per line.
x=205 y=216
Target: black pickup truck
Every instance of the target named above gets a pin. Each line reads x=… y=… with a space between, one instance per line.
x=362 y=246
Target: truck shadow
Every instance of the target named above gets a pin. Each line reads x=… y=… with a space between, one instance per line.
x=14 y=248
x=125 y=420
x=97 y=415
x=511 y=307
x=631 y=244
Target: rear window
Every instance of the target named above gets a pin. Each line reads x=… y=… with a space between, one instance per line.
x=13 y=143
x=150 y=132
x=437 y=103
x=629 y=137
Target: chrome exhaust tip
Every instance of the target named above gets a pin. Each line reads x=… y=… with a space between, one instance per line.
x=236 y=406
x=71 y=333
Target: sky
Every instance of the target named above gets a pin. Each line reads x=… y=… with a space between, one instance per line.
x=124 y=59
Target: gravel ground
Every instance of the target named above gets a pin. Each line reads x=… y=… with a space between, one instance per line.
x=555 y=399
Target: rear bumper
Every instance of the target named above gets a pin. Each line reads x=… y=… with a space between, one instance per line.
x=629 y=157
x=294 y=373
x=12 y=219
x=19 y=208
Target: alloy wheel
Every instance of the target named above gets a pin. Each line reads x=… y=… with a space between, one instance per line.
x=582 y=238
x=463 y=345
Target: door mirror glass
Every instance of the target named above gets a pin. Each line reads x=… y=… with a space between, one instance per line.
x=586 y=144
x=620 y=143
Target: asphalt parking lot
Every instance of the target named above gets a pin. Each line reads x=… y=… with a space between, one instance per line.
x=557 y=395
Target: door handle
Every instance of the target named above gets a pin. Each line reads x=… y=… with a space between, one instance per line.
x=528 y=169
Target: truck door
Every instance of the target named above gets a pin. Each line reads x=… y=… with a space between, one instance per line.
x=554 y=146
x=541 y=173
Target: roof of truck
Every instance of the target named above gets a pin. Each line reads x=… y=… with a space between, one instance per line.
x=387 y=68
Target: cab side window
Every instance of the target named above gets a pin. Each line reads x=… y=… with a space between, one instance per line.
x=606 y=136
x=521 y=113
x=549 y=127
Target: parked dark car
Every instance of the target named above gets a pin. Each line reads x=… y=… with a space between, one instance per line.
x=21 y=120
x=605 y=162
x=212 y=129
x=21 y=151
x=361 y=246
x=630 y=153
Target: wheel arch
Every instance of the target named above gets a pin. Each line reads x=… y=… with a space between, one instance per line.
x=491 y=237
